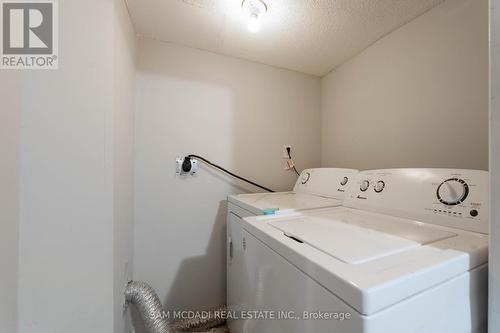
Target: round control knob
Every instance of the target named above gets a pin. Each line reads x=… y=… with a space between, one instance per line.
x=379 y=186
x=364 y=185
x=305 y=177
x=344 y=181
x=452 y=191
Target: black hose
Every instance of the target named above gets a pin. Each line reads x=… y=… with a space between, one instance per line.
x=229 y=172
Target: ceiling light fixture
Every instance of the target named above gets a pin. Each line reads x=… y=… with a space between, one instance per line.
x=254 y=8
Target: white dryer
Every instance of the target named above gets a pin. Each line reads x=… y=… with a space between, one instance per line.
x=406 y=253
x=315 y=188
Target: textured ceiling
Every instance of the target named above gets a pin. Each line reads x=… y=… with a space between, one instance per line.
x=310 y=36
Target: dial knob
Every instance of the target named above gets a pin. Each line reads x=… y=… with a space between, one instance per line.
x=305 y=177
x=344 y=181
x=452 y=191
x=379 y=186
x=364 y=185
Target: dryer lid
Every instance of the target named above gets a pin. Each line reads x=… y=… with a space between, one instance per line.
x=282 y=201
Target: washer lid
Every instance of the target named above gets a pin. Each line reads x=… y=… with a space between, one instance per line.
x=356 y=241
x=284 y=202
x=369 y=260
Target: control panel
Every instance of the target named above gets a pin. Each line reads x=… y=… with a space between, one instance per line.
x=327 y=182
x=449 y=197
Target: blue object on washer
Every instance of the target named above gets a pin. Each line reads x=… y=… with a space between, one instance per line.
x=270 y=211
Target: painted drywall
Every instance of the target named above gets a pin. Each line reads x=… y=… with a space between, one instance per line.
x=10 y=111
x=123 y=162
x=416 y=98
x=494 y=258
x=66 y=229
x=76 y=141
x=235 y=113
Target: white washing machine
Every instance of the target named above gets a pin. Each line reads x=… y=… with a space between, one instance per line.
x=406 y=253
x=315 y=188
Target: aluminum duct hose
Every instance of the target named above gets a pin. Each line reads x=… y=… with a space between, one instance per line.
x=144 y=298
x=201 y=324
x=148 y=305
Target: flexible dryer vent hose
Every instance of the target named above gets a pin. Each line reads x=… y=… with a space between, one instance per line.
x=144 y=298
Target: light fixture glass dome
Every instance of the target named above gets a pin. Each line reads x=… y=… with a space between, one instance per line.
x=254 y=9
x=253 y=23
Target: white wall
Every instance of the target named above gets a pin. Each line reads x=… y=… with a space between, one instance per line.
x=76 y=142
x=416 y=98
x=235 y=113
x=10 y=110
x=494 y=260
x=66 y=229
x=123 y=162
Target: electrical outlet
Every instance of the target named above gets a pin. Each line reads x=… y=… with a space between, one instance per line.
x=178 y=167
x=285 y=151
x=194 y=167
